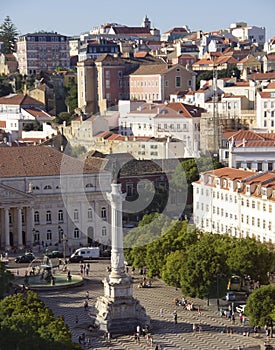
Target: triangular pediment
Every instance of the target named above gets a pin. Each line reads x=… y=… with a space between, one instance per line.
x=8 y=193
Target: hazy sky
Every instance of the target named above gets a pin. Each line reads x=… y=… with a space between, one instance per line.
x=72 y=17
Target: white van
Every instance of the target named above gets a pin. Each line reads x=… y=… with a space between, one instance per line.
x=85 y=253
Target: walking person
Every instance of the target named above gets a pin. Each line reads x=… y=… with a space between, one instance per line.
x=175 y=316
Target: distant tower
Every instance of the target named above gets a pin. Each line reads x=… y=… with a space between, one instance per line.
x=146 y=23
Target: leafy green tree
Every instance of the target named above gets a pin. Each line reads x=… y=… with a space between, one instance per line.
x=250 y=257
x=6 y=278
x=64 y=117
x=71 y=95
x=172 y=270
x=27 y=324
x=35 y=125
x=260 y=306
x=8 y=36
x=202 y=266
x=5 y=86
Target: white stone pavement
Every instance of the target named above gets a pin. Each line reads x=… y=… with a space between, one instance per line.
x=69 y=304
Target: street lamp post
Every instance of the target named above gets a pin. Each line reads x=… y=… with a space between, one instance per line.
x=62 y=237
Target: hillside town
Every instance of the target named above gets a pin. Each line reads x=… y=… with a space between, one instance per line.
x=141 y=95
x=183 y=122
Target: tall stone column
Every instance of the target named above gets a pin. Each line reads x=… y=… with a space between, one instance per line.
x=7 y=229
x=117 y=311
x=117 y=256
x=19 y=228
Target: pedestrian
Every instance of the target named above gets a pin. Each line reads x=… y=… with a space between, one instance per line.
x=87 y=295
x=85 y=304
x=200 y=327
x=199 y=311
x=194 y=327
x=87 y=270
x=175 y=316
x=108 y=337
x=161 y=312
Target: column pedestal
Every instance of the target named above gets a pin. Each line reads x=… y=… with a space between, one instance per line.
x=118 y=312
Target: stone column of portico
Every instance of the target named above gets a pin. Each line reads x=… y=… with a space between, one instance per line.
x=19 y=228
x=30 y=226
x=7 y=229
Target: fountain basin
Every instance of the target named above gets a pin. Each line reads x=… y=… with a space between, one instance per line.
x=61 y=282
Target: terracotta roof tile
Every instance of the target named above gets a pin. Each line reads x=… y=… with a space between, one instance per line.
x=19 y=100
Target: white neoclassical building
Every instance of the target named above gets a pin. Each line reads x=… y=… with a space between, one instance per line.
x=51 y=199
x=238 y=202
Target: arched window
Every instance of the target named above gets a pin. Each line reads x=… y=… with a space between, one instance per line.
x=60 y=216
x=76 y=233
x=76 y=215
x=90 y=214
x=36 y=217
x=103 y=213
x=104 y=231
x=35 y=188
x=47 y=187
x=89 y=185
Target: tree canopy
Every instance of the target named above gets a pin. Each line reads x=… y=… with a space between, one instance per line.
x=260 y=306
x=198 y=263
x=8 y=36
x=6 y=278
x=27 y=324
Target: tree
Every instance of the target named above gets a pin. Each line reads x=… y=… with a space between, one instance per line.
x=260 y=306
x=27 y=324
x=6 y=278
x=71 y=95
x=202 y=266
x=8 y=36
x=247 y=256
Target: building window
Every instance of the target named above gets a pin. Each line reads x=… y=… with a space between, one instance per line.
x=76 y=233
x=49 y=235
x=60 y=216
x=90 y=214
x=104 y=231
x=270 y=208
x=178 y=82
x=76 y=215
x=103 y=213
x=260 y=166
x=47 y=187
x=36 y=217
x=48 y=217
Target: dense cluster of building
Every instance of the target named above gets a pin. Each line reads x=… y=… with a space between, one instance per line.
x=138 y=95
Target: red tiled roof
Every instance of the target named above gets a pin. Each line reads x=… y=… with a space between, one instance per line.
x=271 y=85
x=19 y=100
x=134 y=31
x=262 y=76
x=176 y=30
x=141 y=54
x=151 y=69
x=38 y=113
x=247 y=135
x=39 y=161
x=2 y=124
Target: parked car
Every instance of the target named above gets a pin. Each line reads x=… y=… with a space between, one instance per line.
x=26 y=258
x=55 y=254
